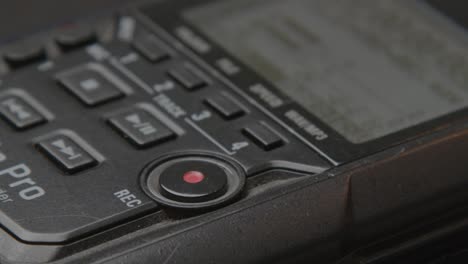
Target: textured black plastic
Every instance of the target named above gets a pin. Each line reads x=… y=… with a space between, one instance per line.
x=60 y=206
x=295 y=206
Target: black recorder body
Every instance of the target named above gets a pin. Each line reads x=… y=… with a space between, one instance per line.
x=234 y=132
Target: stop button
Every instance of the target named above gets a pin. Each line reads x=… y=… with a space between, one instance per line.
x=193 y=181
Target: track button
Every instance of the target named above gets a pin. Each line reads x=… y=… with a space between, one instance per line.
x=263 y=136
x=188 y=77
x=226 y=106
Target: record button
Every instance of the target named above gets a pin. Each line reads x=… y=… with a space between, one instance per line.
x=193 y=181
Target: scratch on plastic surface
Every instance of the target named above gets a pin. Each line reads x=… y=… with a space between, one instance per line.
x=171 y=254
x=57 y=216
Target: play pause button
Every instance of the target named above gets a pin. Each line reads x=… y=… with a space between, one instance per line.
x=140 y=127
x=66 y=153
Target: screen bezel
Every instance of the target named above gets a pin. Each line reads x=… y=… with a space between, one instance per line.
x=169 y=16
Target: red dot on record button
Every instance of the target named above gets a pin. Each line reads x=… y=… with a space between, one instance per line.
x=193 y=177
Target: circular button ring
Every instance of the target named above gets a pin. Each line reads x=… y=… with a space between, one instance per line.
x=193 y=181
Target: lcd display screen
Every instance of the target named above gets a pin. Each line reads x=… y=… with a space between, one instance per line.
x=368 y=68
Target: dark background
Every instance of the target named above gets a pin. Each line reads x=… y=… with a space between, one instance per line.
x=19 y=17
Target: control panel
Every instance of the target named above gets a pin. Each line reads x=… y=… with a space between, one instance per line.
x=106 y=123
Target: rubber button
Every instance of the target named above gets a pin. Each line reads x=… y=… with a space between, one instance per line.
x=225 y=106
x=66 y=153
x=92 y=83
x=24 y=54
x=193 y=181
x=140 y=127
x=74 y=37
x=19 y=112
x=150 y=47
x=188 y=77
x=263 y=136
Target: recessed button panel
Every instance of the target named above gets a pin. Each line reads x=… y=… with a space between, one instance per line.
x=188 y=77
x=140 y=127
x=66 y=153
x=92 y=83
x=263 y=136
x=225 y=106
x=150 y=47
x=204 y=167
x=19 y=112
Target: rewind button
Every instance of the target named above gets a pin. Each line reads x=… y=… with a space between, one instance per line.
x=20 y=113
x=66 y=153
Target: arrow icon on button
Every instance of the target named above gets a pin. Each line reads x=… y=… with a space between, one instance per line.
x=135 y=119
x=62 y=146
